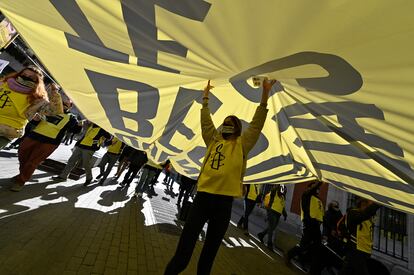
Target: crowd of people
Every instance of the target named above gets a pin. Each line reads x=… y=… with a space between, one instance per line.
x=40 y=120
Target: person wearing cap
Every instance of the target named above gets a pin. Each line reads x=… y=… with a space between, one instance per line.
x=22 y=97
x=220 y=180
x=42 y=141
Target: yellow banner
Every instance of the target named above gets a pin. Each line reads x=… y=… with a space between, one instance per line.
x=343 y=111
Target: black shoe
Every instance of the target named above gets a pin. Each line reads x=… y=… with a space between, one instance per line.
x=87 y=182
x=58 y=178
x=261 y=236
x=101 y=182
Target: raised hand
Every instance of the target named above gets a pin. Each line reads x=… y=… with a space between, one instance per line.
x=207 y=89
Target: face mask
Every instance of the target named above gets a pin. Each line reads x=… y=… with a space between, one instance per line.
x=227 y=129
x=26 y=81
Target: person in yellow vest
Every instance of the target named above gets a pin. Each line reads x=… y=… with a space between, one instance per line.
x=110 y=158
x=220 y=180
x=22 y=96
x=41 y=142
x=360 y=224
x=312 y=211
x=250 y=199
x=83 y=151
x=149 y=171
x=274 y=210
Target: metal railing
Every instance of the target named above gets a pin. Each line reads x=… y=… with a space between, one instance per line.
x=390 y=232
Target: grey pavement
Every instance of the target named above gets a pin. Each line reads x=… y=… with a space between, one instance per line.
x=66 y=228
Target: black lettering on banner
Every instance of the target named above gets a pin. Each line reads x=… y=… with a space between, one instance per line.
x=343 y=79
x=188 y=169
x=124 y=138
x=275 y=162
x=154 y=151
x=139 y=17
x=197 y=154
x=388 y=201
x=87 y=40
x=260 y=146
x=147 y=97
x=351 y=131
x=184 y=100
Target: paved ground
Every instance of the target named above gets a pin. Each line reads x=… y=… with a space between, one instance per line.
x=65 y=228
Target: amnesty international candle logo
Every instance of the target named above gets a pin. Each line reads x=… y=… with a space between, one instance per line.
x=5 y=100
x=217 y=158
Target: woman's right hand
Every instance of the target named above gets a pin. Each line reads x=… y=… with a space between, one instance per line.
x=207 y=89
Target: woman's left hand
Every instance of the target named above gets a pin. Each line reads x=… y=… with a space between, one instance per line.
x=268 y=84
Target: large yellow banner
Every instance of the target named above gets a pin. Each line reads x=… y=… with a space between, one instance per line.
x=342 y=112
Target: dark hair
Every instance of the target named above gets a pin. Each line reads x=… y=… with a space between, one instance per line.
x=360 y=201
x=37 y=92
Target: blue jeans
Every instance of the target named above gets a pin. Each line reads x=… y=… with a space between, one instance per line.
x=273 y=218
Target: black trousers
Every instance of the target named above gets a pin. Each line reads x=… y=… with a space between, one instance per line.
x=248 y=209
x=355 y=263
x=310 y=245
x=216 y=209
x=185 y=191
x=130 y=175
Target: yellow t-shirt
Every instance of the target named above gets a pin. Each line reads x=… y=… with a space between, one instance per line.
x=316 y=209
x=222 y=168
x=115 y=147
x=365 y=235
x=278 y=204
x=89 y=138
x=253 y=192
x=52 y=126
x=12 y=107
x=225 y=161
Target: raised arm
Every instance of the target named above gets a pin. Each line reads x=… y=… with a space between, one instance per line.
x=252 y=133
x=208 y=130
x=44 y=107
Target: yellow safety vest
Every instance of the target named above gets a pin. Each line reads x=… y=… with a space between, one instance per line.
x=364 y=238
x=52 y=126
x=89 y=138
x=222 y=169
x=316 y=209
x=12 y=107
x=115 y=147
x=278 y=204
x=253 y=192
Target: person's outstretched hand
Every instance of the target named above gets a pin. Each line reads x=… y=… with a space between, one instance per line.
x=207 y=89
x=267 y=86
